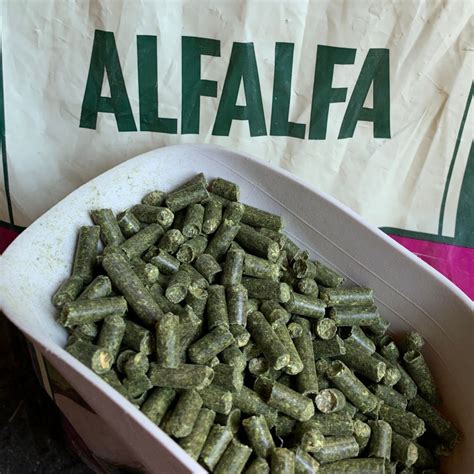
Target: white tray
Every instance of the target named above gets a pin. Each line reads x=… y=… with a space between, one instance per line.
x=410 y=294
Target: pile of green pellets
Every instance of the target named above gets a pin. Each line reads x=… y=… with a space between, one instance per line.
x=251 y=355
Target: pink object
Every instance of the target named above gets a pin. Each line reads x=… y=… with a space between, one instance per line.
x=6 y=238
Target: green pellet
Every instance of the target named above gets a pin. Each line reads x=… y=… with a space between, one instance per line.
x=354 y=316
x=307 y=286
x=166 y=306
x=291 y=249
x=253 y=304
x=390 y=351
x=87 y=331
x=171 y=241
x=403 y=450
x=282 y=461
x=362 y=434
x=267 y=289
x=308 y=437
x=178 y=286
x=267 y=340
x=221 y=240
x=153 y=214
x=154 y=198
x=217 y=399
x=193 y=220
x=406 y=385
x=305 y=463
x=234 y=458
x=295 y=364
x=241 y=335
x=354 y=466
x=140 y=242
x=196 y=179
x=99 y=287
x=210 y=345
x=185 y=414
x=363 y=363
x=190 y=329
x=135 y=365
x=260 y=268
x=412 y=341
x=122 y=358
x=258 y=366
x=68 y=291
x=217 y=314
x=233 y=267
x=333 y=424
x=138 y=338
x=228 y=377
x=250 y=403
x=129 y=284
x=97 y=358
x=260 y=218
x=294 y=330
x=212 y=216
x=274 y=313
x=110 y=232
x=111 y=334
x=307 y=379
x=158 y=403
x=380 y=440
x=226 y=189
x=330 y=400
x=112 y=379
x=196 y=298
x=233 y=212
x=137 y=385
x=306 y=305
x=258 y=466
x=355 y=337
x=391 y=377
x=147 y=273
x=165 y=263
x=441 y=427
x=336 y=448
x=389 y=396
x=275 y=235
x=237 y=297
x=168 y=341
x=256 y=243
x=216 y=443
x=192 y=249
x=85 y=253
x=403 y=422
x=341 y=376
x=231 y=420
x=379 y=327
x=420 y=372
x=285 y=399
x=207 y=266
x=186 y=376
x=258 y=435
x=325 y=328
x=233 y=356
x=284 y=425
x=331 y=348
x=90 y=311
x=197 y=280
x=191 y=194
x=194 y=442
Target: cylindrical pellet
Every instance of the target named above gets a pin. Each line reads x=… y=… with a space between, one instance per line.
x=379 y=327
x=226 y=189
x=190 y=194
x=216 y=443
x=128 y=223
x=307 y=286
x=306 y=305
x=233 y=267
x=284 y=425
x=274 y=313
x=185 y=414
x=217 y=399
x=389 y=396
x=325 y=328
x=390 y=351
x=295 y=364
x=136 y=364
x=362 y=434
x=347 y=296
x=282 y=461
x=154 y=198
x=221 y=240
x=190 y=329
x=178 y=286
x=147 y=272
x=267 y=289
x=285 y=399
x=111 y=334
x=258 y=466
x=194 y=442
x=412 y=341
x=332 y=424
x=341 y=376
x=186 y=376
x=210 y=345
x=265 y=337
x=336 y=448
x=421 y=374
x=153 y=214
x=112 y=379
x=330 y=348
x=138 y=338
x=252 y=305
x=307 y=379
x=354 y=316
x=68 y=291
x=207 y=266
x=165 y=262
x=406 y=385
x=326 y=277
x=196 y=298
x=260 y=268
x=260 y=218
x=212 y=216
x=233 y=212
x=256 y=243
x=97 y=358
x=197 y=279
x=356 y=338
x=228 y=377
x=308 y=437
x=363 y=363
x=99 y=287
x=171 y=241
x=157 y=403
x=168 y=341
x=330 y=400
x=127 y=282
x=109 y=229
x=231 y=420
x=89 y=311
x=85 y=253
x=192 y=249
x=294 y=330
x=402 y=422
x=380 y=440
x=193 y=220
x=233 y=356
x=137 y=385
x=258 y=435
x=234 y=458
x=199 y=178
x=250 y=403
x=354 y=466
x=236 y=304
x=305 y=463
x=403 y=450
x=136 y=245
x=241 y=335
